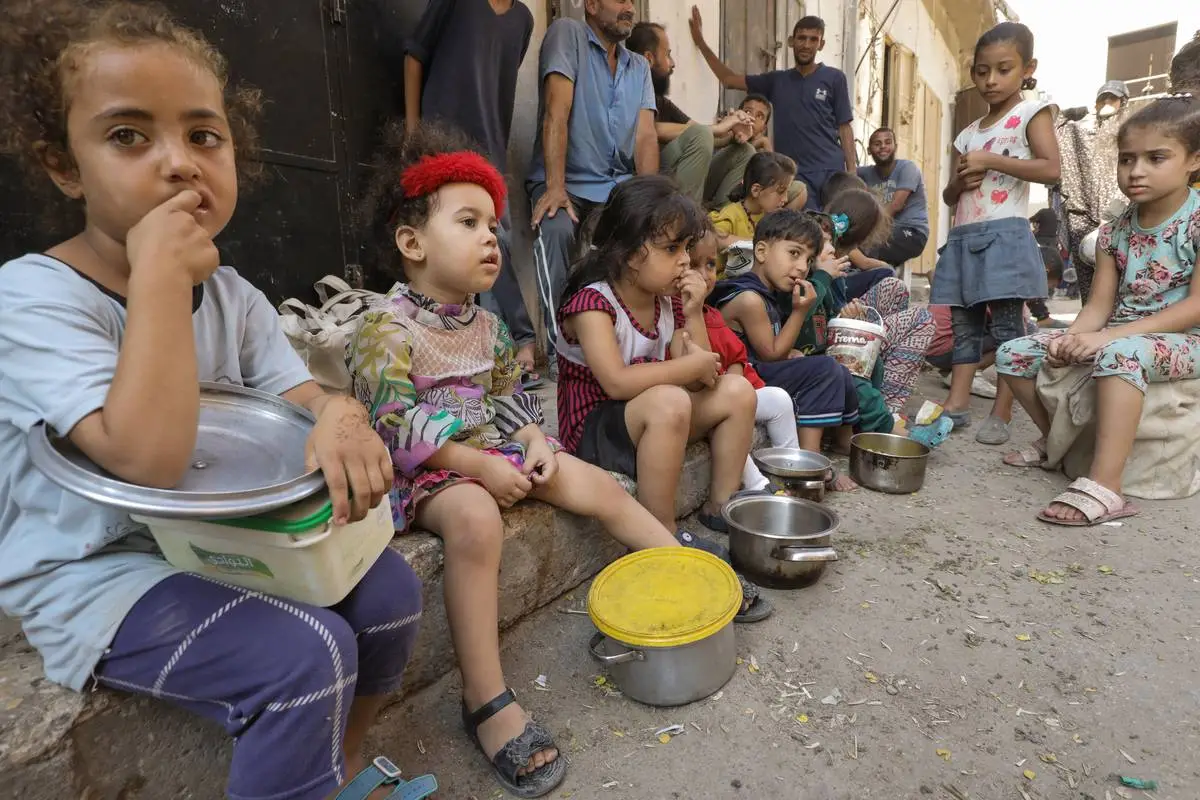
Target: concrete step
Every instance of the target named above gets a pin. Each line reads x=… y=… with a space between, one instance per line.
x=103 y=745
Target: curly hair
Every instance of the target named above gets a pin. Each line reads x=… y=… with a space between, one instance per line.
x=44 y=45
x=384 y=208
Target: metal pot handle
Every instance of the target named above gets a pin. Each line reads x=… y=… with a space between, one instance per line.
x=804 y=554
x=622 y=658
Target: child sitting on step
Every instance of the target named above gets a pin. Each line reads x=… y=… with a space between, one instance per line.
x=105 y=337
x=822 y=391
x=764 y=189
x=1141 y=324
x=851 y=220
x=774 y=407
x=623 y=404
x=442 y=381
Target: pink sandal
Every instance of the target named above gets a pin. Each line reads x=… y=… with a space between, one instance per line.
x=1097 y=504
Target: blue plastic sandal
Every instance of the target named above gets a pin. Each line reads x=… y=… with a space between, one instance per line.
x=934 y=433
x=383 y=773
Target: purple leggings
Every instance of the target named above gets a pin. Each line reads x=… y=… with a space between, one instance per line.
x=277 y=674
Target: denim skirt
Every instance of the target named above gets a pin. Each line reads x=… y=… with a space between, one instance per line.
x=992 y=260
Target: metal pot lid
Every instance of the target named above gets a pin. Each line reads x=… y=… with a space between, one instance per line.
x=664 y=597
x=249 y=459
x=776 y=516
x=791 y=462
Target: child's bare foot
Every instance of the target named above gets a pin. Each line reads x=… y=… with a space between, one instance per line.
x=837 y=482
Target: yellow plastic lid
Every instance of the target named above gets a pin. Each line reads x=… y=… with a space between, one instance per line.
x=663 y=597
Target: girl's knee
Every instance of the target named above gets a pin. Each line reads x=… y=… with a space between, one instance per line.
x=895 y=287
x=736 y=390
x=667 y=406
x=474 y=527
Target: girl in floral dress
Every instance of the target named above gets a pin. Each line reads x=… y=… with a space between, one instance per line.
x=1141 y=323
x=441 y=378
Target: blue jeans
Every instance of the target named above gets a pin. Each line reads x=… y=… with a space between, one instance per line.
x=970 y=324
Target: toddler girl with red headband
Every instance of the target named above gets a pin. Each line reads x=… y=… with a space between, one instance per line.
x=442 y=381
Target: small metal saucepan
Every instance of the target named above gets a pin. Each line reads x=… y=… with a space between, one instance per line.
x=888 y=463
x=779 y=541
x=800 y=473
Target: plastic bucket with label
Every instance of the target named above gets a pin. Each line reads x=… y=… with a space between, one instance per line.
x=856 y=343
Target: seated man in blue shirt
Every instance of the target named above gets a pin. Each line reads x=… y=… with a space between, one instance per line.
x=898 y=184
x=811 y=101
x=597 y=129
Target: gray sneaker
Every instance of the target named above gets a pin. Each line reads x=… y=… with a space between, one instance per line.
x=993 y=431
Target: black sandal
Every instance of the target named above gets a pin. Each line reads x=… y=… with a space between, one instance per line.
x=517 y=752
x=758 y=608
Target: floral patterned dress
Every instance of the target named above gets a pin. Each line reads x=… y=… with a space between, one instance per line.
x=430 y=374
x=1156 y=267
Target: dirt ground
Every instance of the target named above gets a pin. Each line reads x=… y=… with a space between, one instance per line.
x=959 y=649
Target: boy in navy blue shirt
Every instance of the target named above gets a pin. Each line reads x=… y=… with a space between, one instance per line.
x=812 y=105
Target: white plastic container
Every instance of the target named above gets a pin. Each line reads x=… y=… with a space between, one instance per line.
x=856 y=343
x=297 y=552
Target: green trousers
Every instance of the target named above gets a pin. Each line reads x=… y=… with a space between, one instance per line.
x=706 y=173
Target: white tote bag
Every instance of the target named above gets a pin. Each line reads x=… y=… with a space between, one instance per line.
x=322 y=335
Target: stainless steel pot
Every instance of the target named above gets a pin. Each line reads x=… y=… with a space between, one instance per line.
x=778 y=541
x=799 y=473
x=669 y=676
x=888 y=463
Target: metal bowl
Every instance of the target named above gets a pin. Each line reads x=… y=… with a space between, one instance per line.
x=888 y=463
x=798 y=473
x=780 y=541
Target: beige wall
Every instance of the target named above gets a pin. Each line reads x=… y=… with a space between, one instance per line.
x=693 y=87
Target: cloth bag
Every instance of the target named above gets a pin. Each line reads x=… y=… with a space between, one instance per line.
x=322 y=334
x=1165 y=461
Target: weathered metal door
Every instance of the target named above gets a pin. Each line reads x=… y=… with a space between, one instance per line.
x=290 y=230
x=749 y=44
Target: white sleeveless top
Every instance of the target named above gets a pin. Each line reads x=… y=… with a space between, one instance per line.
x=635 y=346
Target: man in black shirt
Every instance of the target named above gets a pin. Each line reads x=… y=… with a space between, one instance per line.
x=461 y=67
x=706 y=160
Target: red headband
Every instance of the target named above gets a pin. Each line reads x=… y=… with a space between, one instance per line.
x=433 y=172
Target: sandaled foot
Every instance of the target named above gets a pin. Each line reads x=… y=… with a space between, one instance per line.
x=1086 y=503
x=713 y=520
x=524 y=758
x=755 y=607
x=961 y=419
x=993 y=431
x=382 y=775
x=689 y=539
x=530 y=379
x=1031 y=455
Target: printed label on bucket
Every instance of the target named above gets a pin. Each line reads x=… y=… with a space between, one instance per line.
x=231 y=563
x=855 y=351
